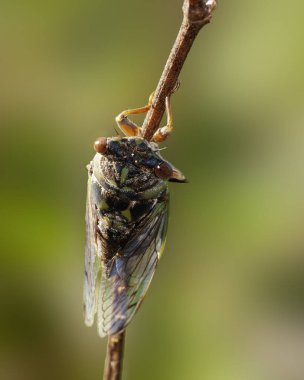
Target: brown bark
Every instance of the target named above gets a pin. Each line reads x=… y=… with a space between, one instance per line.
x=113 y=364
x=197 y=13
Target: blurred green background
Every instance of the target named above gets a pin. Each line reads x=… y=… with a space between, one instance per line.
x=227 y=299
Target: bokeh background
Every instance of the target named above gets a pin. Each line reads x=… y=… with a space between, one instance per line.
x=227 y=299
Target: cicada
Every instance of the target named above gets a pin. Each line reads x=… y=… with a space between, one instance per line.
x=126 y=221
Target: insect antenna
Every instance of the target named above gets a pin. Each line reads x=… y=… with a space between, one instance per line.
x=117 y=133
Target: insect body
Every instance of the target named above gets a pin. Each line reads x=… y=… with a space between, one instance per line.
x=126 y=218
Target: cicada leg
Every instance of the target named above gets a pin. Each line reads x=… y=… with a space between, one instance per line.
x=128 y=127
x=162 y=133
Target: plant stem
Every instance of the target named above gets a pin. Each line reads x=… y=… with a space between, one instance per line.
x=197 y=13
x=113 y=364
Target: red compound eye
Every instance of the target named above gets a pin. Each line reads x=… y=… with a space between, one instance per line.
x=100 y=145
x=163 y=171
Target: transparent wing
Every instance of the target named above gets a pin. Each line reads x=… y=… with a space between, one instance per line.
x=92 y=260
x=125 y=283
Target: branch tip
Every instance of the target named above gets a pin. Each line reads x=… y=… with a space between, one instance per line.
x=198 y=11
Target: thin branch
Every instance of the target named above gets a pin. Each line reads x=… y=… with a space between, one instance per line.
x=197 y=13
x=113 y=364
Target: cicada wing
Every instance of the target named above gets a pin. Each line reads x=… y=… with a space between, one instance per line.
x=124 y=286
x=92 y=259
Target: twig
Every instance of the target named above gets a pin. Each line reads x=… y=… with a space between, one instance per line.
x=197 y=13
x=113 y=364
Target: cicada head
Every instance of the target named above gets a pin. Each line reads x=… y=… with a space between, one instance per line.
x=134 y=162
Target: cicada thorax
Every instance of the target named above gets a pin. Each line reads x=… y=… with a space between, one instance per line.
x=118 y=215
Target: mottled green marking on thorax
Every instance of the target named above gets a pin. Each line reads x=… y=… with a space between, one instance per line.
x=124 y=175
x=127 y=214
x=103 y=205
